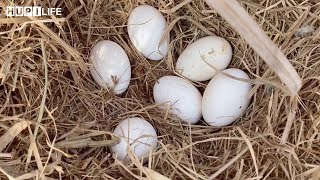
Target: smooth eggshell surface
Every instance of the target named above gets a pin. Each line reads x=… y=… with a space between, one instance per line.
x=193 y=61
x=225 y=99
x=146 y=27
x=181 y=95
x=111 y=66
x=137 y=135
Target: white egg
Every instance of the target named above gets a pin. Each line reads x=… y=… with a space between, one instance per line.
x=225 y=99
x=193 y=61
x=110 y=66
x=146 y=26
x=183 y=98
x=137 y=136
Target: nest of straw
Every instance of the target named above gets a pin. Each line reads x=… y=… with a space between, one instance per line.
x=56 y=122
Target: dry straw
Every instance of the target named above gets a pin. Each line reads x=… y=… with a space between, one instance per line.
x=56 y=123
x=233 y=12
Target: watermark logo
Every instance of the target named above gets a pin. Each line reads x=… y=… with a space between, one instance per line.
x=13 y=11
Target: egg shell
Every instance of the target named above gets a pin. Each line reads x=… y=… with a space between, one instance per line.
x=193 y=61
x=136 y=135
x=110 y=66
x=181 y=95
x=225 y=99
x=146 y=26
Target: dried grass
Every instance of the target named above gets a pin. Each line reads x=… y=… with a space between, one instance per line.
x=57 y=123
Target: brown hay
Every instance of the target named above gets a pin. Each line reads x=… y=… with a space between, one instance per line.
x=44 y=81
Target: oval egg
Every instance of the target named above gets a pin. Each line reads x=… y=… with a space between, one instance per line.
x=110 y=66
x=181 y=95
x=225 y=99
x=146 y=26
x=137 y=136
x=193 y=61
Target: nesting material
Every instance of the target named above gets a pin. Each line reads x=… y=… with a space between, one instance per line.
x=235 y=15
x=304 y=31
x=56 y=122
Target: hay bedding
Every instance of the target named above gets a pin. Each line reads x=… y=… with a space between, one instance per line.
x=57 y=123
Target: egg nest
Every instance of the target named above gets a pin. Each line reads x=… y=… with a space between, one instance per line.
x=56 y=122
